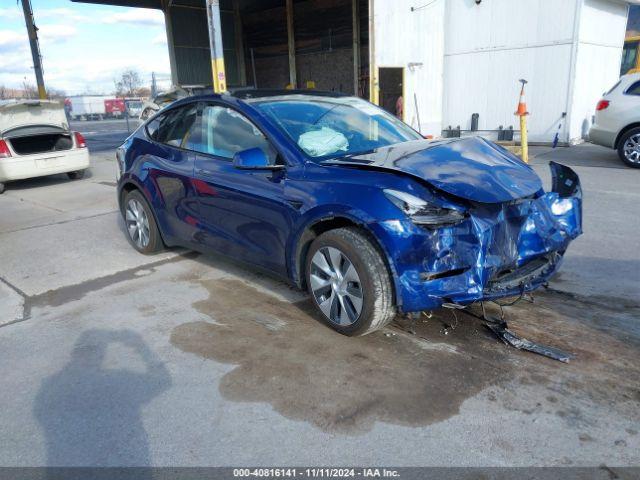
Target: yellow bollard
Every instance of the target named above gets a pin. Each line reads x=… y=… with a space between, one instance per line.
x=523 y=138
x=522 y=113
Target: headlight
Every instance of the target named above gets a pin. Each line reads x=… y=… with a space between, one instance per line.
x=422 y=212
x=561 y=206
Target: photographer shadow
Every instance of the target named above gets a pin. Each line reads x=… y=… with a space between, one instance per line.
x=90 y=413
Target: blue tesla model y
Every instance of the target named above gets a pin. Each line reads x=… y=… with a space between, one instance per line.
x=341 y=198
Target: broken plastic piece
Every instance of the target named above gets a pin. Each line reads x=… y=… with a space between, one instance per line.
x=510 y=338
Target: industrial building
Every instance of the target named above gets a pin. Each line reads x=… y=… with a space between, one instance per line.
x=446 y=59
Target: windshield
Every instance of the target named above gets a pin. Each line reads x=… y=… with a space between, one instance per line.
x=326 y=127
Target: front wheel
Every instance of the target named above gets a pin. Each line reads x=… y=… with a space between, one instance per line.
x=629 y=148
x=142 y=231
x=349 y=282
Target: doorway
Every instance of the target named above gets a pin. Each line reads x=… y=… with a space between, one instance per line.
x=391 y=87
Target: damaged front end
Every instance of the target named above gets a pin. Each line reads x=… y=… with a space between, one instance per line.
x=493 y=250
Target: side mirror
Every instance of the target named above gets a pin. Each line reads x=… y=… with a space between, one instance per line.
x=254 y=159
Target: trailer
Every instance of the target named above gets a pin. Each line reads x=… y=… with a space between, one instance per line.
x=114 y=107
x=88 y=107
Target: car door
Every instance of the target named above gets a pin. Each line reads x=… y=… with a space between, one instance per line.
x=243 y=213
x=170 y=170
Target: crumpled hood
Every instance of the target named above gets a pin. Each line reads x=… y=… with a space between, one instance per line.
x=20 y=113
x=471 y=168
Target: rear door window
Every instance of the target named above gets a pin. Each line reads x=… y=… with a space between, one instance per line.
x=223 y=132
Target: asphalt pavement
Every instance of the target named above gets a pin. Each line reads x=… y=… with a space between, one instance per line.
x=105 y=135
x=112 y=358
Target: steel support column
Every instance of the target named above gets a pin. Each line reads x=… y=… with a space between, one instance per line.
x=242 y=69
x=292 y=45
x=373 y=68
x=355 y=13
x=170 y=45
x=215 y=44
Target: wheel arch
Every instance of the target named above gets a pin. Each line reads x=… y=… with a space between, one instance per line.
x=331 y=222
x=631 y=126
x=129 y=185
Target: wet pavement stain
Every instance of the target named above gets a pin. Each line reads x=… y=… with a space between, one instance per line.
x=286 y=358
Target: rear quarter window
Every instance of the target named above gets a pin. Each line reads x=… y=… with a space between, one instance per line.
x=634 y=89
x=172 y=126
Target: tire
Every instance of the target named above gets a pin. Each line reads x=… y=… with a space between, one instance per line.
x=335 y=290
x=629 y=148
x=76 y=175
x=2 y=188
x=138 y=219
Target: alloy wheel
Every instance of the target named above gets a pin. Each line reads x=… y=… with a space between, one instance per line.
x=137 y=223
x=631 y=148
x=336 y=286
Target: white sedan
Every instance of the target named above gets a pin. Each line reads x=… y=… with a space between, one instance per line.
x=35 y=140
x=617 y=120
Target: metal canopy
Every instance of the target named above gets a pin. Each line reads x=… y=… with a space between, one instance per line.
x=156 y=4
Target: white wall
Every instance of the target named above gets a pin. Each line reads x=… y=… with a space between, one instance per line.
x=599 y=48
x=402 y=37
x=489 y=47
x=473 y=55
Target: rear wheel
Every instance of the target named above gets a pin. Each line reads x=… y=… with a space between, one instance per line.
x=76 y=175
x=2 y=188
x=349 y=282
x=142 y=230
x=629 y=148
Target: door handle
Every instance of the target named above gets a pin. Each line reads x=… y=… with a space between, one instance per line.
x=204 y=171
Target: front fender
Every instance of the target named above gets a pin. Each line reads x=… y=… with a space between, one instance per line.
x=304 y=234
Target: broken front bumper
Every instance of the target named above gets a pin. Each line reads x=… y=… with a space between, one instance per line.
x=500 y=250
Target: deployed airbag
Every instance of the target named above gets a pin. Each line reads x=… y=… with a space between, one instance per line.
x=325 y=141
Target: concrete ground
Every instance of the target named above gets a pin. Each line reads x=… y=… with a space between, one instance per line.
x=111 y=358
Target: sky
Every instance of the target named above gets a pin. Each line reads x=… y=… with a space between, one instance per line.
x=84 y=47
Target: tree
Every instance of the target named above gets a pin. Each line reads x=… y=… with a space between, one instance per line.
x=28 y=89
x=128 y=84
x=56 y=94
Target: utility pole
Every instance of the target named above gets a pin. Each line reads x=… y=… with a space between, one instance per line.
x=154 y=87
x=35 y=49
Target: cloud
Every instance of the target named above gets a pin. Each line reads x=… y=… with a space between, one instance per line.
x=76 y=57
x=11 y=40
x=141 y=16
x=60 y=14
x=97 y=74
x=10 y=13
x=53 y=33
x=160 y=39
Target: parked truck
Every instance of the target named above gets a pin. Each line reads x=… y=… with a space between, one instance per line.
x=95 y=107
x=88 y=107
x=114 y=107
